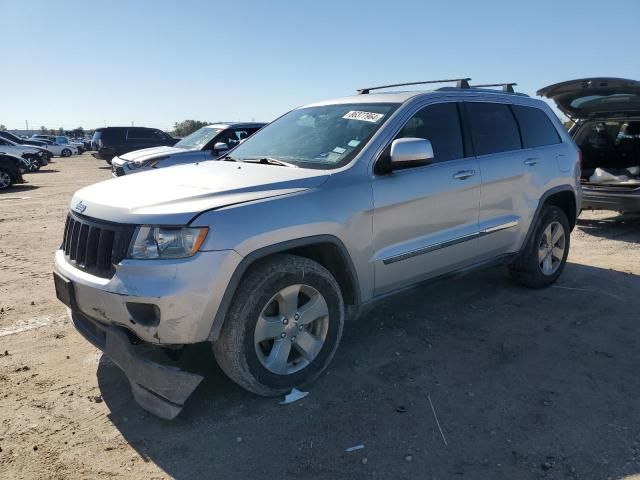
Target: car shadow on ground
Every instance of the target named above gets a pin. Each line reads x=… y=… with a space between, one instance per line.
x=524 y=383
x=46 y=171
x=18 y=188
x=625 y=227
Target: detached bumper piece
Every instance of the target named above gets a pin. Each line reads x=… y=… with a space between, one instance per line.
x=160 y=389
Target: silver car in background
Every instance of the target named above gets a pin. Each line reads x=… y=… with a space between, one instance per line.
x=321 y=213
x=207 y=143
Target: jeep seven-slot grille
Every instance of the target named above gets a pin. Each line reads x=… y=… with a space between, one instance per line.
x=95 y=246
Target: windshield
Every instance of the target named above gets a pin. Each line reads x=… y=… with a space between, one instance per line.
x=199 y=138
x=317 y=137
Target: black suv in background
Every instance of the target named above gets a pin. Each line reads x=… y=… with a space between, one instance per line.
x=109 y=142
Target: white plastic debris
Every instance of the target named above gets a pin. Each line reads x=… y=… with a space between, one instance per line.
x=294 y=396
x=354 y=448
x=600 y=175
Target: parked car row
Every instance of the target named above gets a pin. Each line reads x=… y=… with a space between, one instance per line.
x=208 y=143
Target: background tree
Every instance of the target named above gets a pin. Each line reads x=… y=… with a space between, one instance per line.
x=186 y=127
x=43 y=130
x=61 y=131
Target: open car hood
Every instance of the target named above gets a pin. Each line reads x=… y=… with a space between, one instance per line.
x=591 y=97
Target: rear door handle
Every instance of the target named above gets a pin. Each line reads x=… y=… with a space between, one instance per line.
x=531 y=161
x=464 y=174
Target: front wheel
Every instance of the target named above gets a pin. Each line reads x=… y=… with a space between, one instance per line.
x=6 y=180
x=66 y=152
x=545 y=255
x=283 y=326
x=32 y=165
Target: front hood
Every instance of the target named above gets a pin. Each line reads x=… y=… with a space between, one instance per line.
x=175 y=195
x=18 y=149
x=588 y=97
x=150 y=153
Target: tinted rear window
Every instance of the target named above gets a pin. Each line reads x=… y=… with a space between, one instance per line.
x=535 y=127
x=493 y=128
x=140 y=133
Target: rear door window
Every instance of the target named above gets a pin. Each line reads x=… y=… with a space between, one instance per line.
x=535 y=127
x=493 y=128
x=440 y=124
x=140 y=134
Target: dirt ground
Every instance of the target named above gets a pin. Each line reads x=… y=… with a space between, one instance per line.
x=525 y=384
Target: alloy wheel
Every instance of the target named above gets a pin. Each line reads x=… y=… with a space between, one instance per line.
x=551 y=248
x=291 y=329
x=5 y=180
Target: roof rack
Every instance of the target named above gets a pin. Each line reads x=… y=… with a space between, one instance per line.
x=506 y=87
x=460 y=83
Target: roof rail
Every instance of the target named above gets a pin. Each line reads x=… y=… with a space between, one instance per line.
x=460 y=83
x=506 y=87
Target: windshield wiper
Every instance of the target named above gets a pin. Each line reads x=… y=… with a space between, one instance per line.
x=269 y=161
x=229 y=158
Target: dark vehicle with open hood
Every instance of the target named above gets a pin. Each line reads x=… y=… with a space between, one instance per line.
x=606 y=116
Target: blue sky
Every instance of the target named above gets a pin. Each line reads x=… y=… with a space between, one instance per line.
x=72 y=63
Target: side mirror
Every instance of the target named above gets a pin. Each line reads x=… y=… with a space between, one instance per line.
x=220 y=147
x=410 y=152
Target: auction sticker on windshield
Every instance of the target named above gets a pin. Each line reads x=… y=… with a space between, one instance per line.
x=363 y=116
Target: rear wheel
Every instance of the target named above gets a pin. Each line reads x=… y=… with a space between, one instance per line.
x=283 y=326
x=66 y=152
x=6 y=180
x=544 y=257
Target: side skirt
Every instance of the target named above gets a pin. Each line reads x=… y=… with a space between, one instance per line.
x=504 y=259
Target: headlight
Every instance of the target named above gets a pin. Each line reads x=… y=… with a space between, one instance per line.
x=146 y=164
x=165 y=242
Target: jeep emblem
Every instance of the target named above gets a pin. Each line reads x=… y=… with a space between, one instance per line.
x=80 y=207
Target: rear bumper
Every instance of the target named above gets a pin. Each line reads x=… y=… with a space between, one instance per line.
x=104 y=154
x=160 y=389
x=593 y=199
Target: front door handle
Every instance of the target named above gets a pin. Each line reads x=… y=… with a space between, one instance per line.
x=531 y=161
x=464 y=174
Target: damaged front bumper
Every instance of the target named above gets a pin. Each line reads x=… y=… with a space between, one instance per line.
x=159 y=389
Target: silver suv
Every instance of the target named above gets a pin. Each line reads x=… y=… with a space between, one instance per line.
x=326 y=210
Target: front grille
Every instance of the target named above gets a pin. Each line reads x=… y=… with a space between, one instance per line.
x=95 y=246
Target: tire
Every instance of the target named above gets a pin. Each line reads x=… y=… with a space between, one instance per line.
x=6 y=179
x=543 y=258
x=34 y=166
x=265 y=291
x=66 y=152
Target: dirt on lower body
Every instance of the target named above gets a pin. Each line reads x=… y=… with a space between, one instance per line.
x=473 y=377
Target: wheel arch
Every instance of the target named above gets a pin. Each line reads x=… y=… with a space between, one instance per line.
x=327 y=250
x=563 y=197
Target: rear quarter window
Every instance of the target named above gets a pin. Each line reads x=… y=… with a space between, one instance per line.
x=493 y=128
x=535 y=126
